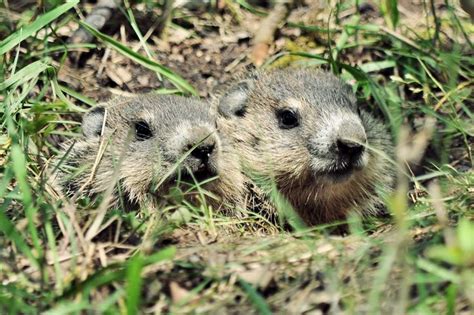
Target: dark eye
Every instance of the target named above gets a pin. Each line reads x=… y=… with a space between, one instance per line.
x=143 y=131
x=287 y=119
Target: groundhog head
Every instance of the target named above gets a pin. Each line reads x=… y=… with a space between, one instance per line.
x=304 y=130
x=148 y=144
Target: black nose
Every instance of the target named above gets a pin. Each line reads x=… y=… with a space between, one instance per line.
x=348 y=148
x=203 y=152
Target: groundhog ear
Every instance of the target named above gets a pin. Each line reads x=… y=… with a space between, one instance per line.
x=93 y=121
x=234 y=101
x=348 y=90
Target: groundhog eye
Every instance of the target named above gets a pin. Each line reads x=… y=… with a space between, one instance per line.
x=142 y=131
x=287 y=119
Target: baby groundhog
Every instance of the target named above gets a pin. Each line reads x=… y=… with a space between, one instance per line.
x=149 y=144
x=303 y=130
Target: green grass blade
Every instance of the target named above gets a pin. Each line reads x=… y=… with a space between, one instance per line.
x=54 y=256
x=19 y=167
x=438 y=271
x=25 y=74
x=27 y=31
x=376 y=66
x=390 y=12
x=136 y=29
x=164 y=254
x=63 y=49
x=134 y=284
x=76 y=95
x=147 y=63
x=59 y=92
x=69 y=307
x=244 y=4
x=115 y=272
x=11 y=232
x=255 y=297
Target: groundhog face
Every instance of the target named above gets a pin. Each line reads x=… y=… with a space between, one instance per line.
x=155 y=141
x=300 y=125
x=302 y=130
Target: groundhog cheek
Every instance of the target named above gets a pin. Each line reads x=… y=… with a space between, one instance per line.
x=137 y=170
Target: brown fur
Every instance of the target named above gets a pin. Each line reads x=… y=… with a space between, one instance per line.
x=136 y=166
x=298 y=158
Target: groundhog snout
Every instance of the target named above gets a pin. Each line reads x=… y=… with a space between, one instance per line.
x=203 y=153
x=203 y=150
x=350 y=141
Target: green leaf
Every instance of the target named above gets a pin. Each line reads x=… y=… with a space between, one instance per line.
x=27 y=31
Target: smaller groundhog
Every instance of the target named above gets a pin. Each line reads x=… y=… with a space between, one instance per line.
x=148 y=144
x=303 y=130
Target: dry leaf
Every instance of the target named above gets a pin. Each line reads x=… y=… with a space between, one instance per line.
x=260 y=276
x=259 y=53
x=113 y=76
x=124 y=74
x=177 y=292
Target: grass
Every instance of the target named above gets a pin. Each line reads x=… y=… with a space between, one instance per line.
x=419 y=259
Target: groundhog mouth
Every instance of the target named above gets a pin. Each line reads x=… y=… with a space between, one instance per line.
x=339 y=173
x=199 y=176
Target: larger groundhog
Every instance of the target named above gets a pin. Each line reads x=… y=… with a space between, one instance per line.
x=303 y=130
x=148 y=144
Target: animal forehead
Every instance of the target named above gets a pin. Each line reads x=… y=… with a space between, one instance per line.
x=305 y=88
x=165 y=109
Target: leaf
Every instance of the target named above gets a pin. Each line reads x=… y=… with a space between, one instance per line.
x=30 y=29
x=178 y=293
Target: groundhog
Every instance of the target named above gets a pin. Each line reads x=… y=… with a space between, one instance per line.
x=148 y=144
x=303 y=130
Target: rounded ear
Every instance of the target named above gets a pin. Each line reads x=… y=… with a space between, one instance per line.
x=93 y=121
x=349 y=92
x=234 y=101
